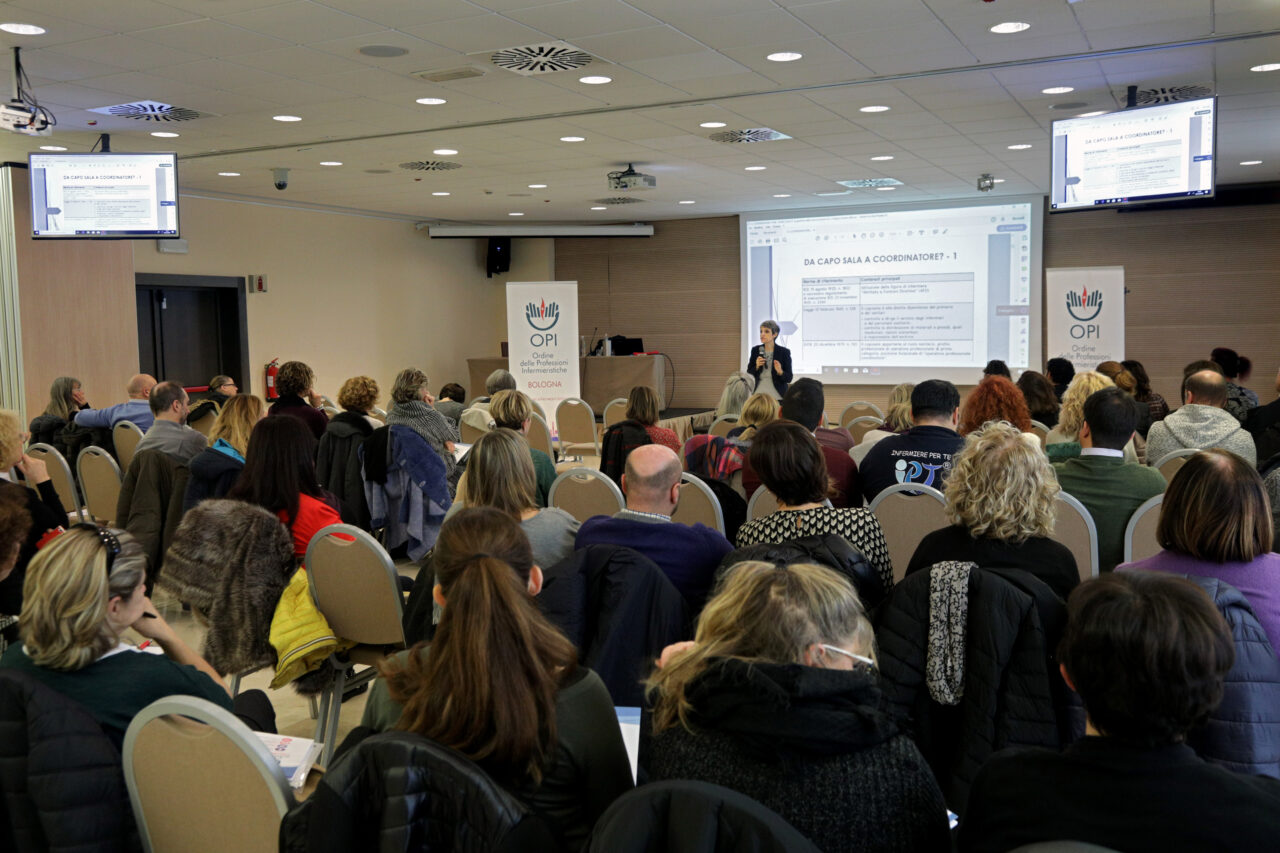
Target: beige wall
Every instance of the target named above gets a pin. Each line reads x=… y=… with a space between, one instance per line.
x=351 y=295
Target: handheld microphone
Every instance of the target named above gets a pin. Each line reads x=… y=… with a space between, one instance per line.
x=592 y=341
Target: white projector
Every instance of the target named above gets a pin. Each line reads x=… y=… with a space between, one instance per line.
x=21 y=118
x=631 y=180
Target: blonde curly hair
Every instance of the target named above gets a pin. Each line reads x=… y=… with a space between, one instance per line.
x=1001 y=486
x=1071 y=415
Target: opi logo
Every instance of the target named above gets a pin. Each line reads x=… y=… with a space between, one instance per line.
x=1081 y=303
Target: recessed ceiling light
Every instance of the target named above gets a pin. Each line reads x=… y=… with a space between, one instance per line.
x=883 y=157
x=52 y=148
x=1011 y=27
x=431 y=102
x=164 y=134
x=599 y=207
x=1022 y=146
x=1270 y=66
x=287 y=118
x=884 y=189
x=573 y=139
x=784 y=56
x=1250 y=162
x=537 y=186
x=439 y=193
x=712 y=124
x=515 y=214
x=997 y=180
x=754 y=168
x=595 y=80
x=782 y=195
x=875 y=108
x=1057 y=90
x=330 y=162
x=687 y=201
x=1092 y=114
x=383 y=51
x=228 y=174
x=23 y=29
x=445 y=152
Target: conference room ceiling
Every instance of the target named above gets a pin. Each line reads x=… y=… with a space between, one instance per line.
x=959 y=95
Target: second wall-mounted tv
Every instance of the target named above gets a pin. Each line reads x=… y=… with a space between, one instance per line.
x=104 y=196
x=1136 y=156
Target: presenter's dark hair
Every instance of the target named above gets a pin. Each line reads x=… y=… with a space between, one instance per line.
x=1147 y=653
x=279 y=466
x=164 y=395
x=804 y=402
x=1060 y=371
x=996 y=367
x=787 y=459
x=1112 y=416
x=771 y=326
x=934 y=398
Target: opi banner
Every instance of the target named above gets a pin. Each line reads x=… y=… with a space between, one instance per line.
x=1084 y=315
x=542 y=340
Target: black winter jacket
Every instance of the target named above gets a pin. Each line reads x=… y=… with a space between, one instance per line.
x=212 y=474
x=827 y=549
x=338 y=465
x=1008 y=699
x=616 y=443
x=399 y=791
x=61 y=784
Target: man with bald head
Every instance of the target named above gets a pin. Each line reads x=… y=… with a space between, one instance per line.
x=1201 y=423
x=687 y=555
x=137 y=408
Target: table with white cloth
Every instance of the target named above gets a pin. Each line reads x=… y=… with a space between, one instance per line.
x=601 y=378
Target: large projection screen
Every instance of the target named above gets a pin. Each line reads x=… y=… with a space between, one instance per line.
x=897 y=294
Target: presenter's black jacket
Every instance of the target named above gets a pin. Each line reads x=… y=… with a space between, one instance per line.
x=782 y=355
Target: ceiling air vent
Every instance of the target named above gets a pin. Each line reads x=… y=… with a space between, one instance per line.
x=446 y=75
x=533 y=59
x=1172 y=94
x=150 y=111
x=754 y=134
x=622 y=199
x=430 y=166
x=870 y=182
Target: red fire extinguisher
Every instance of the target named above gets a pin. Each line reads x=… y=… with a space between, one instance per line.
x=273 y=369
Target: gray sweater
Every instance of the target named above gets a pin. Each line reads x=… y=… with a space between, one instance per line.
x=1201 y=427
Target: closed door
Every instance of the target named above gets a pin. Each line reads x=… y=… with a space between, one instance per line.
x=183 y=335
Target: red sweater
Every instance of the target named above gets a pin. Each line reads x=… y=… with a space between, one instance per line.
x=313 y=514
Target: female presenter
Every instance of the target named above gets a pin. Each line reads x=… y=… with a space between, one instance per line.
x=771 y=361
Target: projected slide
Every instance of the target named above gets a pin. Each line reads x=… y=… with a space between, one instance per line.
x=104 y=195
x=890 y=296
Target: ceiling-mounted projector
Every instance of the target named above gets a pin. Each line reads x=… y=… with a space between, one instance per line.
x=21 y=118
x=631 y=180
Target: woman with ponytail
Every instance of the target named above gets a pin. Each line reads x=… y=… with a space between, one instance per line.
x=501 y=685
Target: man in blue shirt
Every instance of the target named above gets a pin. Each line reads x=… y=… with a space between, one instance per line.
x=688 y=555
x=923 y=453
x=136 y=408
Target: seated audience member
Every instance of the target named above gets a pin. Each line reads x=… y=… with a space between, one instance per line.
x=501 y=685
x=1110 y=488
x=1263 y=423
x=451 y=400
x=1128 y=383
x=792 y=465
x=82 y=591
x=136 y=408
x=1060 y=372
x=803 y=404
x=221 y=389
x=298 y=398
x=778 y=698
x=411 y=406
x=513 y=410
x=1235 y=367
x=643 y=407
x=737 y=388
x=687 y=555
x=995 y=399
x=996 y=367
x=357 y=397
x=500 y=475
x=836 y=437
x=760 y=409
x=1000 y=501
x=897 y=420
x=280 y=476
x=15 y=526
x=338 y=462
x=216 y=468
x=1196 y=367
x=1215 y=521
x=42 y=504
x=1156 y=405
x=169 y=432
x=923 y=454
x=476 y=415
x=1147 y=654
x=1042 y=403
x=1201 y=423
x=65 y=399
x=1063 y=441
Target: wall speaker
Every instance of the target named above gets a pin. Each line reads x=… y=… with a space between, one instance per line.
x=498 y=258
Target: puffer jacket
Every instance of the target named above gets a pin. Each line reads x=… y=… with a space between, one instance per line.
x=61 y=783
x=1200 y=427
x=300 y=634
x=150 y=504
x=1008 y=697
x=338 y=465
x=826 y=549
x=399 y=791
x=47 y=429
x=1243 y=732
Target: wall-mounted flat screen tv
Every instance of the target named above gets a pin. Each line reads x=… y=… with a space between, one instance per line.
x=104 y=196
x=1137 y=156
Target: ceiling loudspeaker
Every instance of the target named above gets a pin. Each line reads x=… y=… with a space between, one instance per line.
x=498 y=256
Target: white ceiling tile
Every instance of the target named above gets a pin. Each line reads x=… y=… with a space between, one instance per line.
x=57 y=31
x=47 y=65
x=123 y=52
x=688 y=66
x=297 y=61
x=405 y=13
x=210 y=38
x=575 y=19
x=481 y=33
x=774 y=27
x=224 y=7
x=302 y=22
x=842 y=16
x=218 y=74
x=114 y=17
x=633 y=45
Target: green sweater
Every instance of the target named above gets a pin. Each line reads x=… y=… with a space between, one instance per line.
x=1111 y=489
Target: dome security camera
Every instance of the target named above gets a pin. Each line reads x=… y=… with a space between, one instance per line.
x=281 y=178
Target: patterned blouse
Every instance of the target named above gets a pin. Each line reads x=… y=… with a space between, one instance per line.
x=858 y=525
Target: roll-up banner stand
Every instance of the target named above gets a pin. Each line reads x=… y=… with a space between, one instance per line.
x=1084 y=315
x=542 y=335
